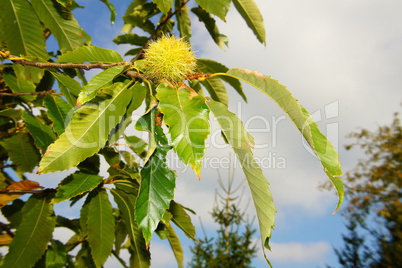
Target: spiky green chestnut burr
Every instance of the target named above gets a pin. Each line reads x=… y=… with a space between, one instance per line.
x=169 y=58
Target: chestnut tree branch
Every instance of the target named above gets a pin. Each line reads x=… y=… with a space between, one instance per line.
x=42 y=65
x=28 y=93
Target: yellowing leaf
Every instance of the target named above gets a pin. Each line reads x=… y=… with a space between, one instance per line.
x=17 y=186
x=5 y=239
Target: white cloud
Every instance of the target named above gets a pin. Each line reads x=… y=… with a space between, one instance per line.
x=299 y=253
x=162 y=256
x=62 y=234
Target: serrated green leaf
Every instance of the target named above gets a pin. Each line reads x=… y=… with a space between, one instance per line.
x=183 y=20
x=238 y=137
x=100 y=227
x=72 y=224
x=76 y=184
x=84 y=215
x=126 y=202
x=210 y=66
x=23 y=32
x=30 y=73
x=42 y=134
x=99 y=81
x=56 y=255
x=157 y=184
x=57 y=109
x=182 y=219
x=13 y=213
x=138 y=95
x=20 y=86
x=91 y=165
x=252 y=15
x=139 y=92
x=210 y=23
x=130 y=38
x=69 y=87
x=13 y=114
x=82 y=258
x=218 y=8
x=92 y=54
x=65 y=29
x=137 y=145
x=133 y=52
x=33 y=234
x=87 y=131
x=22 y=151
x=112 y=10
x=302 y=119
x=138 y=14
x=175 y=244
x=163 y=5
x=120 y=234
x=187 y=116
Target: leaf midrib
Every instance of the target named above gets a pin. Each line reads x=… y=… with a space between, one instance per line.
x=56 y=22
x=32 y=233
x=91 y=125
x=19 y=26
x=130 y=217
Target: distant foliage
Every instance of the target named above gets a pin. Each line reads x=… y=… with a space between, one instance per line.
x=53 y=119
x=233 y=245
x=374 y=210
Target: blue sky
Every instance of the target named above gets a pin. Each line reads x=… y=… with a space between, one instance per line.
x=341 y=59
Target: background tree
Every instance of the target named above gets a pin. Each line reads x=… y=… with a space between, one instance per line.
x=52 y=119
x=234 y=244
x=374 y=210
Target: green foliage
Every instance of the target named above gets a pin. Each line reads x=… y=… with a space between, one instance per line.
x=374 y=210
x=60 y=22
x=22 y=29
x=100 y=226
x=251 y=14
x=88 y=130
x=187 y=116
x=33 y=234
x=157 y=184
x=52 y=119
x=76 y=184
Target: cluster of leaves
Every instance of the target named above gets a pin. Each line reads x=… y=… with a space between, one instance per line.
x=53 y=119
x=374 y=191
x=234 y=245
